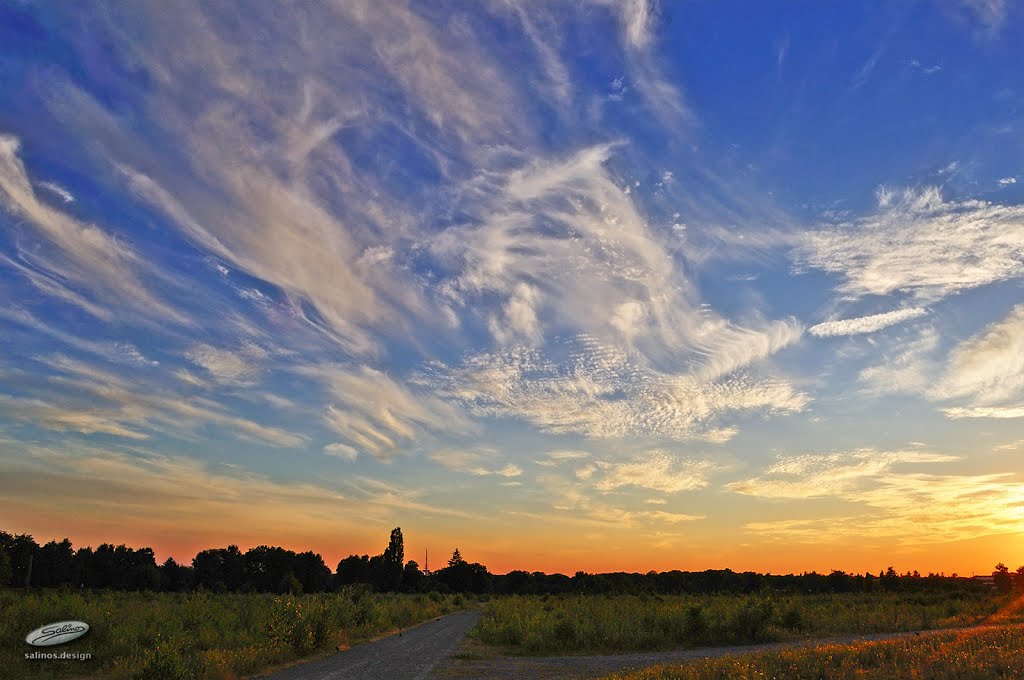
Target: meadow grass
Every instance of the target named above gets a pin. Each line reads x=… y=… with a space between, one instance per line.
x=592 y=624
x=977 y=653
x=199 y=635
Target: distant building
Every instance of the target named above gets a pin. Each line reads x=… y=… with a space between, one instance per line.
x=990 y=580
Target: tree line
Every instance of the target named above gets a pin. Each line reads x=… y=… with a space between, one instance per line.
x=25 y=563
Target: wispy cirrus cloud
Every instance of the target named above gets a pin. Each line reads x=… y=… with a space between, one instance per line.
x=81 y=252
x=479 y=462
x=64 y=419
x=378 y=414
x=865 y=324
x=914 y=509
x=561 y=457
x=908 y=365
x=86 y=398
x=957 y=412
x=904 y=506
x=833 y=474
x=987 y=369
x=59 y=191
x=225 y=366
x=165 y=496
x=656 y=471
x=919 y=244
x=602 y=393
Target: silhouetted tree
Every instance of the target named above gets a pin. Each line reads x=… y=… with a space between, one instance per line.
x=352 y=569
x=53 y=564
x=175 y=577
x=1001 y=578
x=265 y=569
x=461 y=576
x=412 y=577
x=393 y=561
x=275 y=569
x=21 y=552
x=839 y=582
x=313 y=574
x=220 y=569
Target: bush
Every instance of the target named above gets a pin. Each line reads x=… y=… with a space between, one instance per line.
x=200 y=635
x=791 y=619
x=749 y=622
x=629 y=623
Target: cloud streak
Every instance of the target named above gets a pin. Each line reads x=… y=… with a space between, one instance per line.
x=865 y=324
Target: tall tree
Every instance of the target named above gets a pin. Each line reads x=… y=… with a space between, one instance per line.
x=456 y=558
x=394 y=560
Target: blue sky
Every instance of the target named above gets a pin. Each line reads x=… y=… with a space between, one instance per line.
x=704 y=284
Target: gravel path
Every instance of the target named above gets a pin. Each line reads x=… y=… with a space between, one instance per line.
x=412 y=654
x=580 y=667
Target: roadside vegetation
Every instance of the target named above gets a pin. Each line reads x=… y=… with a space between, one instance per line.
x=167 y=636
x=979 y=653
x=613 y=624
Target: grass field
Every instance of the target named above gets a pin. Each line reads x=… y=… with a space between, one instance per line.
x=975 y=654
x=169 y=636
x=612 y=624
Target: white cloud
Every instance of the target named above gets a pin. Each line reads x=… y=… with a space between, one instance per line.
x=140 y=491
x=600 y=392
x=1009 y=446
x=907 y=367
x=1006 y=181
x=562 y=456
x=377 y=414
x=54 y=417
x=657 y=471
x=518 y=320
x=87 y=396
x=988 y=369
x=62 y=193
x=834 y=474
x=865 y=324
x=914 y=509
x=240 y=368
x=480 y=462
x=76 y=251
x=919 y=244
x=957 y=412
x=343 y=451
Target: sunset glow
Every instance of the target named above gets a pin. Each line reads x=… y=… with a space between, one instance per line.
x=588 y=285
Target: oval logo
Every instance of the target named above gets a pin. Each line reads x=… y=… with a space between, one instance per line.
x=57 y=633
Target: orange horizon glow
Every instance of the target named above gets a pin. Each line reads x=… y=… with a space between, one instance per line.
x=965 y=558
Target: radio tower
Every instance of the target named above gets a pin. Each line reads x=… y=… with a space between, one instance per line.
x=426 y=561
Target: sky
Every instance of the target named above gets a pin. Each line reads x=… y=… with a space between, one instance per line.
x=569 y=285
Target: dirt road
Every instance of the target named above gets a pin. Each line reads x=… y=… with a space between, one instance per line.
x=413 y=654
